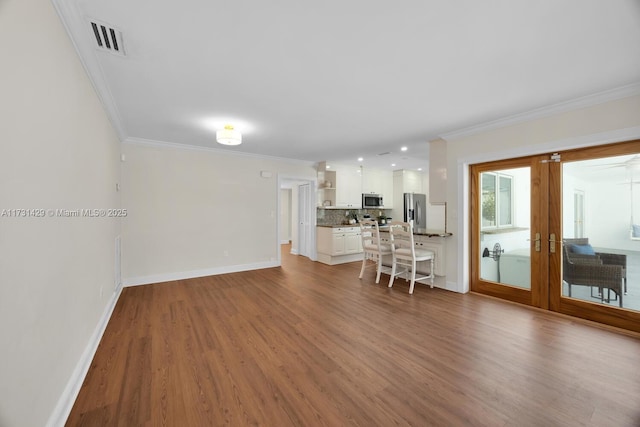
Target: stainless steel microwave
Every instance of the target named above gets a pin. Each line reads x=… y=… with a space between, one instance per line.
x=370 y=200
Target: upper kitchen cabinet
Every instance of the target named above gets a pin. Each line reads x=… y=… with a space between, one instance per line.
x=378 y=181
x=407 y=181
x=437 y=171
x=348 y=186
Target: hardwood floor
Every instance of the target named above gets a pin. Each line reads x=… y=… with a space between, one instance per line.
x=311 y=345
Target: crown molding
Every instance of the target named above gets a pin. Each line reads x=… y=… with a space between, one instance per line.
x=546 y=111
x=74 y=23
x=189 y=147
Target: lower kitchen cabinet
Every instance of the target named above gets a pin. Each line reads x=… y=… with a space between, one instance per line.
x=339 y=245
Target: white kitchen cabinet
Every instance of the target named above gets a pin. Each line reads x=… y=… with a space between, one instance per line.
x=379 y=181
x=371 y=181
x=387 y=189
x=338 y=245
x=348 y=186
x=412 y=182
x=353 y=242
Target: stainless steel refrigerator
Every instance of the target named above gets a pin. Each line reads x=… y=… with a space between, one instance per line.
x=415 y=209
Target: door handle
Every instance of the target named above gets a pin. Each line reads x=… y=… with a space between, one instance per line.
x=552 y=243
x=537 y=246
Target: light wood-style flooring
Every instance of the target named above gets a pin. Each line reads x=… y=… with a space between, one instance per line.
x=311 y=345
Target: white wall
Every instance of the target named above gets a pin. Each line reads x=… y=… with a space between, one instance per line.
x=57 y=151
x=603 y=123
x=199 y=212
x=285 y=215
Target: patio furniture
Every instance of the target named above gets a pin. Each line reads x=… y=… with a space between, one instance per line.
x=583 y=266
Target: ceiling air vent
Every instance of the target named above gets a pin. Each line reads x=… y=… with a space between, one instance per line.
x=107 y=38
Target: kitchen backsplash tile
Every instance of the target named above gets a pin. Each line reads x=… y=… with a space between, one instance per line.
x=342 y=216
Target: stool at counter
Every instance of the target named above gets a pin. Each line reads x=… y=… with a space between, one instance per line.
x=372 y=247
x=405 y=254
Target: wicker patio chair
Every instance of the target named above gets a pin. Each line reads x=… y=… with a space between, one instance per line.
x=607 y=258
x=605 y=272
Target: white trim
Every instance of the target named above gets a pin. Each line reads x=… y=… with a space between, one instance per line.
x=285 y=241
x=547 y=111
x=181 y=275
x=68 y=397
x=464 y=210
x=189 y=147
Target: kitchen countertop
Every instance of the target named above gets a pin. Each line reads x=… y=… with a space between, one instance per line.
x=385 y=228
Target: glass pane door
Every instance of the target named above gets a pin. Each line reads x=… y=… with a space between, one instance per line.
x=600 y=258
x=506 y=226
x=505 y=203
x=594 y=204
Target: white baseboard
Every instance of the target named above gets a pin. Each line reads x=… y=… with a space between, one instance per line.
x=452 y=286
x=285 y=242
x=169 y=277
x=65 y=403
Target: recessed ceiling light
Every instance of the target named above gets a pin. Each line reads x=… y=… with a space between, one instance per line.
x=327 y=167
x=404 y=149
x=393 y=164
x=419 y=169
x=360 y=159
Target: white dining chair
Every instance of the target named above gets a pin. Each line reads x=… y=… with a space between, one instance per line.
x=406 y=255
x=373 y=249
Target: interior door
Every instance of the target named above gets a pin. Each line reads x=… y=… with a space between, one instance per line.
x=304 y=221
x=508 y=204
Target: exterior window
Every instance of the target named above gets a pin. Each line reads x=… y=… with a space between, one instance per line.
x=497 y=200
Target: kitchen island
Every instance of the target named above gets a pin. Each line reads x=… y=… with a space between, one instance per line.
x=341 y=243
x=433 y=240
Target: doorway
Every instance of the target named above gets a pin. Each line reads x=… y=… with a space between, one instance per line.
x=297 y=216
x=552 y=231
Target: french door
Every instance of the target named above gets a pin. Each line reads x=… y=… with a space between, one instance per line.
x=555 y=231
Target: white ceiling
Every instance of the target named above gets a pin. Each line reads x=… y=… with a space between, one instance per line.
x=335 y=80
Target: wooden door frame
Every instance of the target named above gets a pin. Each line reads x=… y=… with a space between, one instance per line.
x=614 y=316
x=538 y=295
x=548 y=190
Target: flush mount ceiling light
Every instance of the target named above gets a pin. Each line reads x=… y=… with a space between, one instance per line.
x=229 y=136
